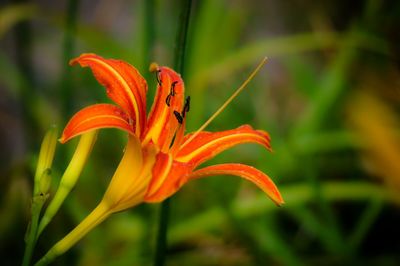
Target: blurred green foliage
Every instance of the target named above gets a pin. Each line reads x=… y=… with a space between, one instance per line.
x=342 y=206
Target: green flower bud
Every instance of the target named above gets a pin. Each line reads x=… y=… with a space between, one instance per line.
x=45 y=160
x=45 y=182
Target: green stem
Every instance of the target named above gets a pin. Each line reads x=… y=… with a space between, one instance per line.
x=181 y=37
x=162 y=233
x=70 y=177
x=42 y=182
x=148 y=33
x=68 y=47
x=28 y=97
x=37 y=204
x=179 y=60
x=98 y=215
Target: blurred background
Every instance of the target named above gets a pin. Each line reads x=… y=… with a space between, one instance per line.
x=329 y=97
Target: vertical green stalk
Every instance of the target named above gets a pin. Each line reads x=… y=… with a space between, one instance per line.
x=68 y=49
x=23 y=44
x=41 y=186
x=70 y=177
x=37 y=205
x=181 y=37
x=23 y=48
x=179 y=65
x=148 y=33
x=161 y=247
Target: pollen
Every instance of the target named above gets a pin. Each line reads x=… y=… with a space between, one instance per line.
x=153 y=67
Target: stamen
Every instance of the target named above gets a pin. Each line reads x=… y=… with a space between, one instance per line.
x=186 y=107
x=172 y=92
x=168 y=100
x=155 y=68
x=158 y=77
x=178 y=117
x=172 y=141
x=244 y=84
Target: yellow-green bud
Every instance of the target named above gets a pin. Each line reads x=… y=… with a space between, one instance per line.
x=45 y=181
x=46 y=156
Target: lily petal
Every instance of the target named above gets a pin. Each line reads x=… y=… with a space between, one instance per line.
x=137 y=185
x=247 y=172
x=162 y=123
x=95 y=117
x=178 y=138
x=124 y=85
x=160 y=171
x=206 y=145
x=168 y=177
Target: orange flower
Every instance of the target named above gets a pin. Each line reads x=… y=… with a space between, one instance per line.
x=159 y=159
x=163 y=159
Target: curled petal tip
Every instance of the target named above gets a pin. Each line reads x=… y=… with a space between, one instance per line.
x=274 y=194
x=72 y=62
x=75 y=60
x=277 y=199
x=250 y=173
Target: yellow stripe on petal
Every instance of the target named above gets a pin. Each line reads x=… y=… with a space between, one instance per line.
x=176 y=176
x=95 y=117
x=160 y=171
x=206 y=145
x=162 y=123
x=252 y=174
x=123 y=83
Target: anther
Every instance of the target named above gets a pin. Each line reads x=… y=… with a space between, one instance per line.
x=172 y=92
x=186 y=107
x=158 y=77
x=178 y=117
x=168 y=100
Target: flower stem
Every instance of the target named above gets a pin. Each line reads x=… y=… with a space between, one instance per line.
x=37 y=204
x=179 y=59
x=66 y=89
x=162 y=233
x=41 y=185
x=70 y=177
x=181 y=37
x=99 y=214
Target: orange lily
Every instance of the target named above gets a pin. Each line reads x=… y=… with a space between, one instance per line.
x=159 y=159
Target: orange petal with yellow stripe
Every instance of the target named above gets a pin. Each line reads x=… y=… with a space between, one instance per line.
x=247 y=172
x=168 y=177
x=95 y=117
x=162 y=122
x=124 y=85
x=206 y=145
x=160 y=172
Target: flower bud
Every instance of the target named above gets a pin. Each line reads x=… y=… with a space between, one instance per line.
x=45 y=160
x=45 y=181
